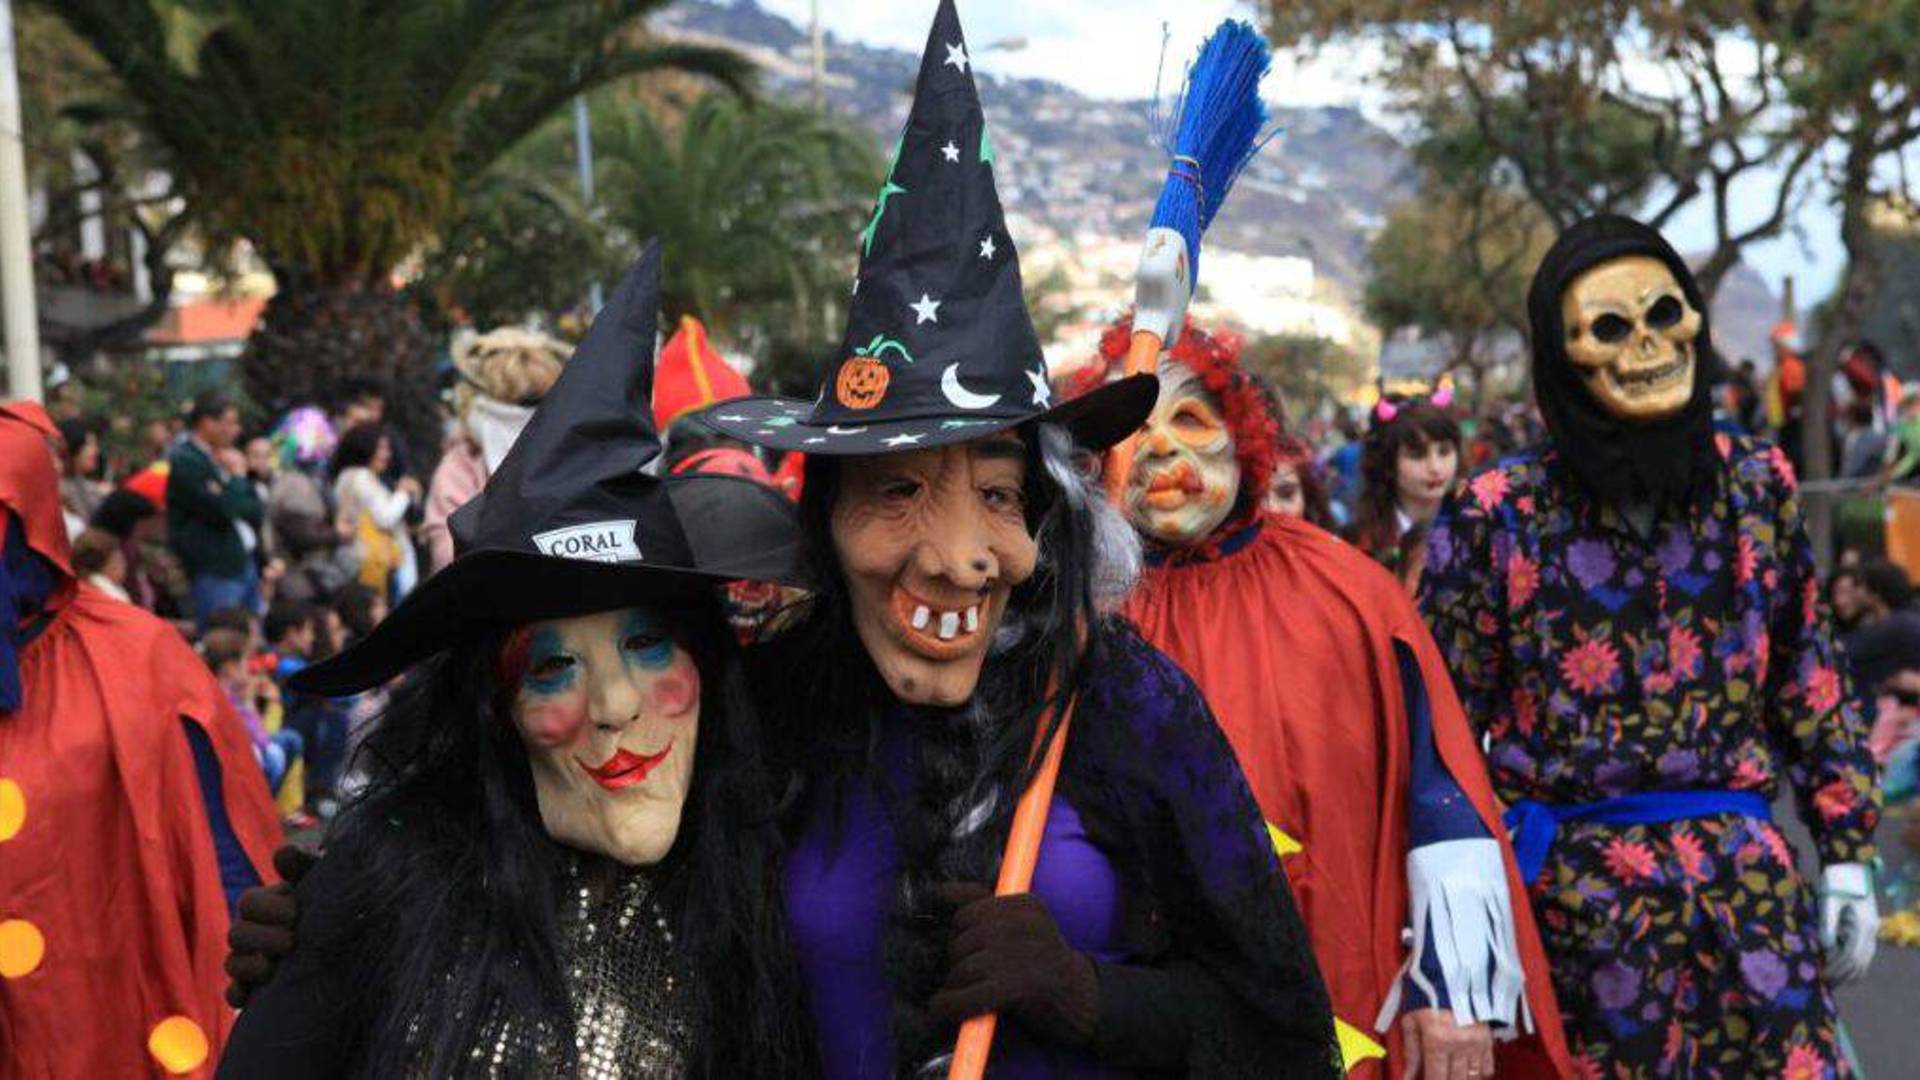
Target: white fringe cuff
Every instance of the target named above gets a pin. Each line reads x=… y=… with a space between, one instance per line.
x=1458 y=889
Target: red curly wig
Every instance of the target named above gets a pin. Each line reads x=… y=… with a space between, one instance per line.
x=1215 y=357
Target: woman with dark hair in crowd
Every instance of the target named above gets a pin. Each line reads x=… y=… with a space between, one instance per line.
x=1410 y=463
x=1297 y=488
x=80 y=462
x=563 y=861
x=375 y=514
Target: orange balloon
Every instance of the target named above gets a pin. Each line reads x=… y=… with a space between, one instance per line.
x=13 y=809
x=178 y=1044
x=21 y=948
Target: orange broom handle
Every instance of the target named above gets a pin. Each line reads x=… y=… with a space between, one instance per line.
x=1016 y=876
x=1143 y=354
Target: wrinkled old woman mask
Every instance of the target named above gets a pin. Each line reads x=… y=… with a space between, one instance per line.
x=1630 y=333
x=1185 y=476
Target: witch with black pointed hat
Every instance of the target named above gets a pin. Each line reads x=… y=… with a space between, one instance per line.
x=965 y=609
x=561 y=864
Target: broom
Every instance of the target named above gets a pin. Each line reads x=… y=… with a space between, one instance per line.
x=1220 y=117
x=1216 y=129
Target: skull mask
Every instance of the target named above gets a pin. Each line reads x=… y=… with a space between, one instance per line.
x=1630 y=333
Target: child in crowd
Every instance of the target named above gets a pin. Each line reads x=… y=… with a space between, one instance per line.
x=98 y=561
x=243 y=673
x=297 y=633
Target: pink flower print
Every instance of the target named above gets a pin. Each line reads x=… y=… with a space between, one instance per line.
x=1523 y=580
x=1810 y=602
x=1749 y=774
x=1484 y=625
x=1591 y=666
x=1526 y=711
x=1629 y=862
x=1724 y=444
x=1834 y=800
x=1805 y=1063
x=1783 y=468
x=1823 y=688
x=1524 y=504
x=1683 y=652
x=1777 y=847
x=1490 y=488
x=1693 y=857
x=1744 y=561
x=1589 y=1068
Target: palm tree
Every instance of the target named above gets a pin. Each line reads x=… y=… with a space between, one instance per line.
x=758 y=208
x=334 y=137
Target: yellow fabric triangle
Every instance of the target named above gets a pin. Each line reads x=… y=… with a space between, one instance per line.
x=1282 y=843
x=1355 y=1046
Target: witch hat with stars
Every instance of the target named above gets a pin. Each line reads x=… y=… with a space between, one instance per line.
x=939 y=347
x=569 y=524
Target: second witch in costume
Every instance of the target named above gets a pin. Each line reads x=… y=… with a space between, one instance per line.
x=1323 y=678
x=967 y=561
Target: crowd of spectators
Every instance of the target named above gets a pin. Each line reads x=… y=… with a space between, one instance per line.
x=269 y=547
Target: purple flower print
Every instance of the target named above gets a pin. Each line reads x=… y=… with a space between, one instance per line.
x=1591 y=563
x=1675 y=553
x=1615 y=985
x=1679 y=765
x=1765 y=972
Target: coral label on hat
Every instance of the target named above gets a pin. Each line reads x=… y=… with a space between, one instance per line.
x=599 y=541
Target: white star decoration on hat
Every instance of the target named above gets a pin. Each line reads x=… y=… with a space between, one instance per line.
x=950 y=151
x=1042 y=393
x=957 y=56
x=904 y=440
x=926 y=310
x=986 y=249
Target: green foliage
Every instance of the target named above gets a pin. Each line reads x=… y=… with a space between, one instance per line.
x=1630 y=106
x=333 y=134
x=757 y=207
x=521 y=246
x=1455 y=265
x=1307 y=371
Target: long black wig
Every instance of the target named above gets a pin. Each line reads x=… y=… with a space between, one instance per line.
x=448 y=851
x=972 y=759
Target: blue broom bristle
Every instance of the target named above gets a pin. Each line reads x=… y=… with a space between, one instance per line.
x=1216 y=130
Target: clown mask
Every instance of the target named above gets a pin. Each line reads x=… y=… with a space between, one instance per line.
x=1185 y=477
x=609 y=711
x=932 y=542
x=1630 y=332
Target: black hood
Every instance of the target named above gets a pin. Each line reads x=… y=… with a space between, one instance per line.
x=1669 y=460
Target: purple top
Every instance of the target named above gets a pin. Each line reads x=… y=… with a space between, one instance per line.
x=840 y=891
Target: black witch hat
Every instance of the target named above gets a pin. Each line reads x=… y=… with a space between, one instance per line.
x=569 y=524
x=939 y=347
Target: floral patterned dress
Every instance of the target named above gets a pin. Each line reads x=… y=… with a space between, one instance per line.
x=1600 y=663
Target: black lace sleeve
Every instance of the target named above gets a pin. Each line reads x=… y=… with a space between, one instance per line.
x=1230 y=987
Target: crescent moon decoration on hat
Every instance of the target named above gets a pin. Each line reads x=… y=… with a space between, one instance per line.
x=569 y=524
x=939 y=347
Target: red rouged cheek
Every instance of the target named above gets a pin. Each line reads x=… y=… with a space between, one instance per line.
x=677 y=691
x=551 y=724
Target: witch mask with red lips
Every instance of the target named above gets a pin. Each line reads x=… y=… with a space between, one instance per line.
x=608 y=707
x=1186 y=476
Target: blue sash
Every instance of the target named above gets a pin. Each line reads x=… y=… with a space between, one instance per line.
x=1533 y=825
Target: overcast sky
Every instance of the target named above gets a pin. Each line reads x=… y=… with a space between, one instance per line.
x=1111 y=48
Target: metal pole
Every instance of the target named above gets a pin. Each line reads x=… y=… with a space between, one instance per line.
x=583 y=151
x=819 y=62
x=16 y=255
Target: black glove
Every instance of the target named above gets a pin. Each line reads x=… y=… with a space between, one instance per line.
x=1007 y=956
x=262 y=934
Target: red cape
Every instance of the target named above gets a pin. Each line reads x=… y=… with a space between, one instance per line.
x=113 y=863
x=1291 y=640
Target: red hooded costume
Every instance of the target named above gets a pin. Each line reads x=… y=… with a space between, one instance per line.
x=113 y=921
x=1291 y=635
